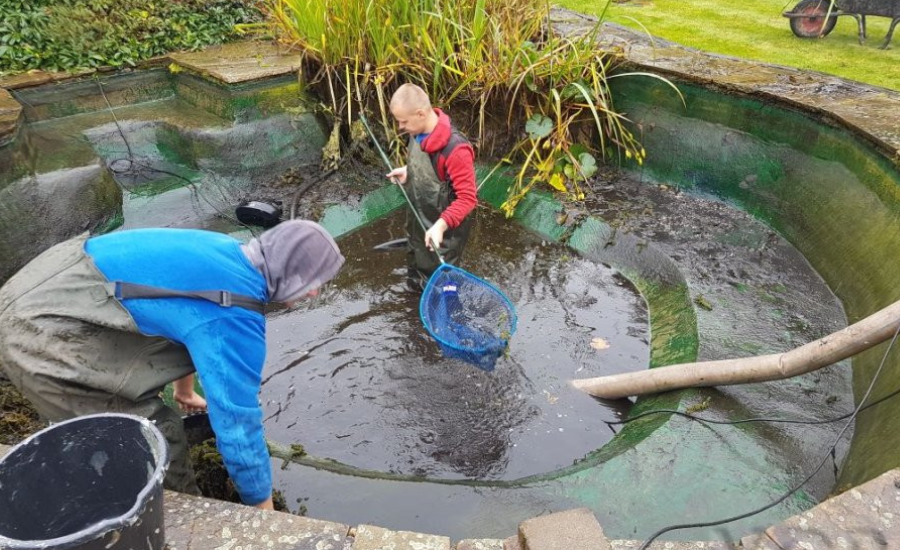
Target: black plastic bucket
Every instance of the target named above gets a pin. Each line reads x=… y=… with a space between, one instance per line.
x=93 y=482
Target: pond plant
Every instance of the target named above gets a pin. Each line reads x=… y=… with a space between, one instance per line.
x=500 y=58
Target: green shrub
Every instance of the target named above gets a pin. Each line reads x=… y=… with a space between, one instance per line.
x=56 y=35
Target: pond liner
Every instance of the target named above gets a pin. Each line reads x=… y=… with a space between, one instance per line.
x=93 y=483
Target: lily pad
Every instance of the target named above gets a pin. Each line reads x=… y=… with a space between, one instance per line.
x=538 y=126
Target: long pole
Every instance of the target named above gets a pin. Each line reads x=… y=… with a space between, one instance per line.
x=835 y=347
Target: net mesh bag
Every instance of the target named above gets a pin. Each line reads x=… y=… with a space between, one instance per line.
x=468 y=317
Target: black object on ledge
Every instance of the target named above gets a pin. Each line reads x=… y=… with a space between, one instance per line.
x=259 y=213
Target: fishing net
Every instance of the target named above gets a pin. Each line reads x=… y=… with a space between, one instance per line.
x=468 y=317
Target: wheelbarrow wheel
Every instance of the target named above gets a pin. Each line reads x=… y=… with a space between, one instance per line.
x=815 y=21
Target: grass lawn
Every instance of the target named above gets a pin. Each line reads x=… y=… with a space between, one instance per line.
x=755 y=29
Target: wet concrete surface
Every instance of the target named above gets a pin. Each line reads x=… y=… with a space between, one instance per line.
x=356 y=378
x=754 y=293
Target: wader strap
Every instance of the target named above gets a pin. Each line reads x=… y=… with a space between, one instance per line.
x=224 y=298
x=456 y=139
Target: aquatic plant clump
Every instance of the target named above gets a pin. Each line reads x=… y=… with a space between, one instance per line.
x=500 y=57
x=18 y=419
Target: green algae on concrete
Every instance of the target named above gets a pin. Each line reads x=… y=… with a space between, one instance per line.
x=833 y=196
x=83 y=96
x=243 y=102
x=340 y=220
x=70 y=133
x=740 y=463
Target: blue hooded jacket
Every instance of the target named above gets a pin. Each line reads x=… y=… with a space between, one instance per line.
x=227 y=345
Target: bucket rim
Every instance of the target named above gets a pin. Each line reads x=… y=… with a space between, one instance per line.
x=101 y=528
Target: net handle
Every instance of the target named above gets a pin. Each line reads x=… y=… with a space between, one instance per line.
x=387 y=161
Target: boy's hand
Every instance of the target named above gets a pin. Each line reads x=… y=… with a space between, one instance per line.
x=190 y=402
x=398 y=175
x=435 y=236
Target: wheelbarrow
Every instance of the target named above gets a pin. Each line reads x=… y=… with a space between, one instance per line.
x=817 y=18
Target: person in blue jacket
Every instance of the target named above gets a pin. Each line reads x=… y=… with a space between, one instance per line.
x=104 y=323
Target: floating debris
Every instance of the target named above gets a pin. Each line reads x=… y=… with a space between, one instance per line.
x=703 y=302
x=599 y=343
x=701 y=406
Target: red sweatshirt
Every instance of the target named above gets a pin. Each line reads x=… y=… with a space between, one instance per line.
x=458 y=167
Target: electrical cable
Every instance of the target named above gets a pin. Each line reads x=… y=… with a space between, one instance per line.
x=796 y=488
x=749 y=420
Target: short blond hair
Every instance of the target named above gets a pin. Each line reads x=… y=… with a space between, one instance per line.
x=412 y=97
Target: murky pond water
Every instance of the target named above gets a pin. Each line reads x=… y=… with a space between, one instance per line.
x=356 y=378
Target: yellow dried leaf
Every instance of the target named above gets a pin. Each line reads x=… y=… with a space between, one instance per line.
x=599 y=343
x=558 y=182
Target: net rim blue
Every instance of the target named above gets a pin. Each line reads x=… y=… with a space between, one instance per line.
x=430 y=285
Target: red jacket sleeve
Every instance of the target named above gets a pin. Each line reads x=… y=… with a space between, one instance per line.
x=460 y=168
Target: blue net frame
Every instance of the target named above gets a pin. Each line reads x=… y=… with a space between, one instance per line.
x=469 y=318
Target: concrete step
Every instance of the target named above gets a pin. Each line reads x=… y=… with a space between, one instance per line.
x=480 y=544
x=195 y=523
x=576 y=529
x=370 y=537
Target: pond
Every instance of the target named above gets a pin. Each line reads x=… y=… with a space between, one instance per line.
x=406 y=439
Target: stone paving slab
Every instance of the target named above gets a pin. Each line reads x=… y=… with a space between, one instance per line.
x=370 y=537
x=480 y=544
x=758 y=542
x=238 y=62
x=10 y=117
x=671 y=545
x=194 y=523
x=867 y=517
x=870 y=111
x=512 y=543
x=25 y=80
x=576 y=529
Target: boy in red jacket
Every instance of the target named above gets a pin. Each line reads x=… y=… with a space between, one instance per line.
x=439 y=177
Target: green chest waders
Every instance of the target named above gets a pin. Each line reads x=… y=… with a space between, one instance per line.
x=430 y=196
